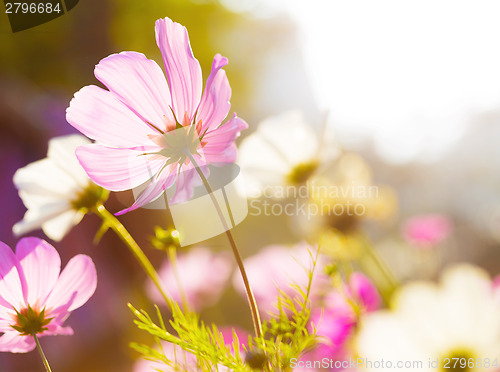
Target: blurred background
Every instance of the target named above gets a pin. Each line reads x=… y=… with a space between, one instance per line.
x=410 y=93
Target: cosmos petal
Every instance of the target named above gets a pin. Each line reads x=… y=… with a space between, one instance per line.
x=12 y=282
x=41 y=265
x=76 y=284
x=154 y=190
x=214 y=104
x=116 y=169
x=13 y=342
x=139 y=83
x=183 y=70
x=100 y=115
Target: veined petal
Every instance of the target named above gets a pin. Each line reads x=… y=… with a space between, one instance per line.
x=220 y=147
x=41 y=265
x=12 y=283
x=117 y=169
x=13 y=342
x=139 y=83
x=154 y=190
x=57 y=330
x=214 y=104
x=187 y=180
x=76 y=284
x=183 y=70
x=100 y=115
x=62 y=152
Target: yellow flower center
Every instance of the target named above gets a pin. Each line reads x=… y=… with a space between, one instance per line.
x=90 y=198
x=302 y=172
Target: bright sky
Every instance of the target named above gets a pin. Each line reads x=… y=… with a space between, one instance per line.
x=409 y=74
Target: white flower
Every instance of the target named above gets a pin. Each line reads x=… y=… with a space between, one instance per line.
x=283 y=150
x=460 y=318
x=56 y=190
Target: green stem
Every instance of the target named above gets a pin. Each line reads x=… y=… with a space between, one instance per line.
x=42 y=355
x=391 y=280
x=251 y=298
x=125 y=236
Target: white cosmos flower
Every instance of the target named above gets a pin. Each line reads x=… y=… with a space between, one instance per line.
x=55 y=190
x=283 y=150
x=460 y=318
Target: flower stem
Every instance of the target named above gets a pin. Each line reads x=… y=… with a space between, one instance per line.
x=42 y=355
x=251 y=298
x=125 y=236
x=389 y=277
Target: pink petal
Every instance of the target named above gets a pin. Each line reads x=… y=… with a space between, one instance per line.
x=214 y=104
x=117 y=169
x=139 y=83
x=57 y=330
x=76 y=284
x=187 y=180
x=12 y=282
x=220 y=147
x=100 y=115
x=41 y=265
x=183 y=70
x=365 y=291
x=154 y=190
x=12 y=342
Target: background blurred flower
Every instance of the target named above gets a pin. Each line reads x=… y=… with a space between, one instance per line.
x=56 y=190
x=147 y=125
x=457 y=319
x=427 y=230
x=186 y=361
x=283 y=150
x=34 y=297
x=276 y=268
x=203 y=276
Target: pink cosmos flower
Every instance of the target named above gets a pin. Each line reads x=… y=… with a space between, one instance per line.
x=145 y=124
x=336 y=322
x=35 y=296
x=427 y=230
x=203 y=276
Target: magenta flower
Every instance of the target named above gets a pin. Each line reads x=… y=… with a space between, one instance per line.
x=427 y=230
x=146 y=125
x=203 y=276
x=35 y=297
x=336 y=322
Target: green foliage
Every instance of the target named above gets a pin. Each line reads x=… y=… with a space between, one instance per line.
x=286 y=336
x=193 y=336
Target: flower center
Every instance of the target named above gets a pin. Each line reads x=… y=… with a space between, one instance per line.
x=29 y=321
x=89 y=198
x=302 y=172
